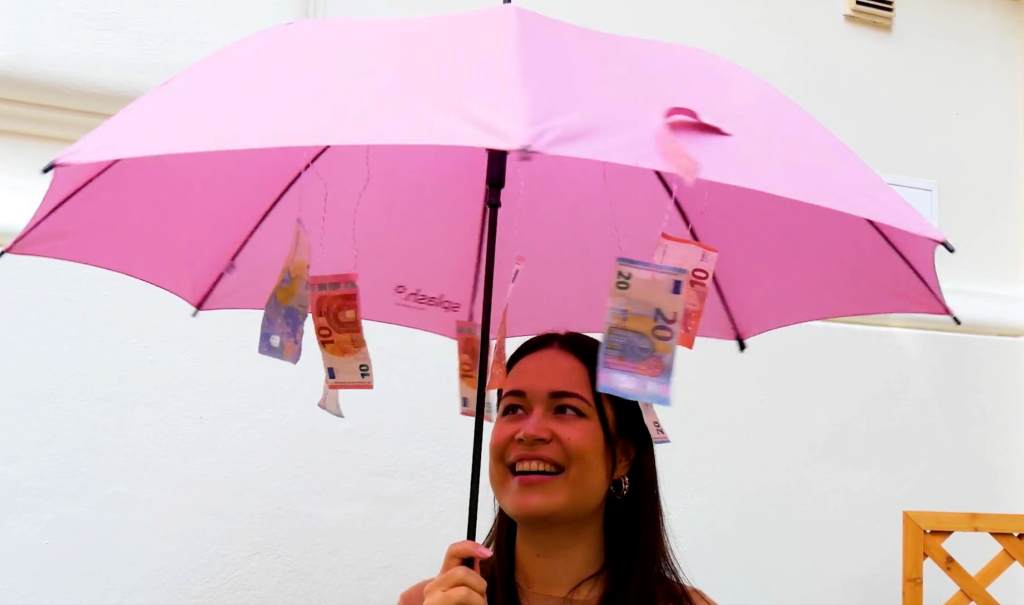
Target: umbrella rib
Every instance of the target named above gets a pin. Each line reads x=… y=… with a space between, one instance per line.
x=906 y=261
x=60 y=204
x=479 y=258
x=256 y=227
x=693 y=230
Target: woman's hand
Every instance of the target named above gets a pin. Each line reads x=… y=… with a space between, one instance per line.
x=456 y=584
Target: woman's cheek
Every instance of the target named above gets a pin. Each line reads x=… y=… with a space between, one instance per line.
x=501 y=437
x=501 y=433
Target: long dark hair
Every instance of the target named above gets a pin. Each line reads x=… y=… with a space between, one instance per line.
x=639 y=566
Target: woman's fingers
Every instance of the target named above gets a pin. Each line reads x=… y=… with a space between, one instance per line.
x=458 y=552
x=457 y=584
x=455 y=596
x=456 y=578
x=465 y=596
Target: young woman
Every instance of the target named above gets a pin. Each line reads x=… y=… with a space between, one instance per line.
x=580 y=519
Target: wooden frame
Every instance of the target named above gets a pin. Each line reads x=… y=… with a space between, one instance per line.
x=923 y=535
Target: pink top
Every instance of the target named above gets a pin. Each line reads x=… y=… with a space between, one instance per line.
x=414 y=596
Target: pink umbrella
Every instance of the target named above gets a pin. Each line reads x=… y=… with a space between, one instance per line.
x=377 y=135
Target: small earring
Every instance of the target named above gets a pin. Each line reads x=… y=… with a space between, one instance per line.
x=620 y=487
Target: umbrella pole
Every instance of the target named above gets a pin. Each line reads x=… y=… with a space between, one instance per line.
x=496 y=162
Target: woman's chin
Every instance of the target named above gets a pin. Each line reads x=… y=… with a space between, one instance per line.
x=532 y=508
x=535 y=515
x=540 y=509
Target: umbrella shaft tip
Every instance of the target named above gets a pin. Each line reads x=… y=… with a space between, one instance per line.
x=496 y=162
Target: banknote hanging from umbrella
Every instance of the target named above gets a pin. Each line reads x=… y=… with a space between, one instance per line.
x=351 y=154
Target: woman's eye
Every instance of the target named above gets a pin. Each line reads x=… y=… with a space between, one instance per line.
x=507 y=409
x=572 y=410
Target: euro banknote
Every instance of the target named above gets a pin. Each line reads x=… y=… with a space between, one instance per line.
x=467 y=334
x=496 y=378
x=642 y=329
x=698 y=260
x=334 y=305
x=654 y=426
x=284 y=315
x=329 y=401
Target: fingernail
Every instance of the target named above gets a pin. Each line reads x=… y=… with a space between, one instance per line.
x=484 y=552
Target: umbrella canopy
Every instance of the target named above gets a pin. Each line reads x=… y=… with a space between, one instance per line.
x=372 y=132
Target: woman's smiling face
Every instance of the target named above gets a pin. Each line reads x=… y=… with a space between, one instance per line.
x=548 y=457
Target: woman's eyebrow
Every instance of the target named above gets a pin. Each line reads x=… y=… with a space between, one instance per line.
x=569 y=395
x=514 y=393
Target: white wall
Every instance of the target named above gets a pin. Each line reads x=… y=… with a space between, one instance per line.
x=147 y=457
x=152 y=458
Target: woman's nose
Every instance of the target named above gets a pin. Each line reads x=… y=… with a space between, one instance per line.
x=533 y=429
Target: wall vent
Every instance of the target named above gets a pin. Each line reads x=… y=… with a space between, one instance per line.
x=876 y=12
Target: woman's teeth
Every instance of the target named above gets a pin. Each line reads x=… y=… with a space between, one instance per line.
x=535 y=466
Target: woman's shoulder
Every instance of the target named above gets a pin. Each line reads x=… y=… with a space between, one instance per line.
x=414 y=595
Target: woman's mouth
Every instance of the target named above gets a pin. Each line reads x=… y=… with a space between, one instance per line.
x=535 y=468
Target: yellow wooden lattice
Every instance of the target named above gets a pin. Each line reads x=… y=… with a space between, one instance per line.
x=923 y=535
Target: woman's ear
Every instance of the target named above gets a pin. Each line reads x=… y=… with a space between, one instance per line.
x=624 y=459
